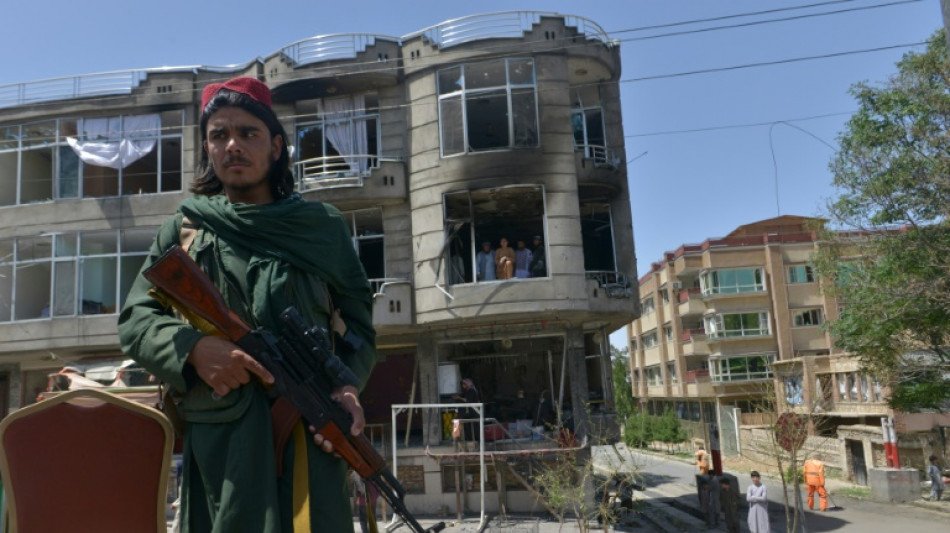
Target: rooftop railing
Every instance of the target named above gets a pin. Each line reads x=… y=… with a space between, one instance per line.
x=503 y=24
x=331 y=47
x=119 y=82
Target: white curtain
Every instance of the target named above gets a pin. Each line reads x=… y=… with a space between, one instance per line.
x=348 y=136
x=107 y=142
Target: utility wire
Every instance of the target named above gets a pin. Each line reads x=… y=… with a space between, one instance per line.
x=770 y=63
x=728 y=17
x=735 y=126
x=759 y=22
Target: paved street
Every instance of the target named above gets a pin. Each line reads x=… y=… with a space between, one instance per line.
x=670 y=483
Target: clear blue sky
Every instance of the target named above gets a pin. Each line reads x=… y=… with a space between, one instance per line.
x=687 y=186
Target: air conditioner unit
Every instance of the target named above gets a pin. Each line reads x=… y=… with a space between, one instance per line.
x=676 y=285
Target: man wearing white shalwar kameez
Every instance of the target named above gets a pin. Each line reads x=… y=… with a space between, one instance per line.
x=758 y=505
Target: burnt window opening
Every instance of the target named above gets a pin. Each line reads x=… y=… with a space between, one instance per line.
x=366 y=231
x=500 y=368
x=473 y=218
x=598 y=238
x=587 y=123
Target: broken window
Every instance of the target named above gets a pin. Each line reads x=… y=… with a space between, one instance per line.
x=477 y=221
x=488 y=105
x=343 y=142
x=366 y=229
x=66 y=274
x=502 y=367
x=91 y=157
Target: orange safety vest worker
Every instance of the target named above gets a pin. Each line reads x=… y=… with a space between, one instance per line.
x=815 y=480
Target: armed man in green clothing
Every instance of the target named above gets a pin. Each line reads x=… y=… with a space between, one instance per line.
x=266 y=249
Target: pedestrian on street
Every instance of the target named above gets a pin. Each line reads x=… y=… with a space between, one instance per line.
x=758 y=505
x=702 y=460
x=709 y=496
x=936 y=480
x=730 y=505
x=814 y=471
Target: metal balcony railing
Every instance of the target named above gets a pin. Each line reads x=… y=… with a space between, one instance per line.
x=614 y=283
x=379 y=284
x=500 y=25
x=336 y=170
x=330 y=47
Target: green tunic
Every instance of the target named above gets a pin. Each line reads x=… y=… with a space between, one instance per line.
x=262 y=258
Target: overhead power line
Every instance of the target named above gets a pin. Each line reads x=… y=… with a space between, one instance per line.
x=770 y=63
x=758 y=22
x=736 y=126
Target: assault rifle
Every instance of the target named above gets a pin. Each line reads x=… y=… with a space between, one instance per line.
x=304 y=367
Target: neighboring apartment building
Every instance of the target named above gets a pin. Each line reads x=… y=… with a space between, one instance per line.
x=731 y=331
x=490 y=126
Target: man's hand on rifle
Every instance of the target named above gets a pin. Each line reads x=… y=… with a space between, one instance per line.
x=224 y=366
x=349 y=398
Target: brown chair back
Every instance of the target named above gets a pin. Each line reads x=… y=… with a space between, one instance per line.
x=86 y=461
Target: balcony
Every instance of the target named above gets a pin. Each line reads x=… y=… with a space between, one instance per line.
x=392 y=302
x=340 y=180
x=690 y=302
x=698 y=383
x=693 y=342
x=614 y=284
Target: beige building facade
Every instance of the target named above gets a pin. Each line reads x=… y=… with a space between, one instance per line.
x=503 y=125
x=731 y=334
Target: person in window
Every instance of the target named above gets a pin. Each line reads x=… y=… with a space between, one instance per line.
x=523 y=259
x=504 y=260
x=537 y=268
x=469 y=395
x=265 y=248
x=485 y=263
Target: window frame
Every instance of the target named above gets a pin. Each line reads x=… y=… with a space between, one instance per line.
x=811 y=317
x=58 y=145
x=464 y=94
x=79 y=265
x=711 y=284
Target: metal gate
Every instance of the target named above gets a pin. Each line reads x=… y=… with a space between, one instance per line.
x=729 y=420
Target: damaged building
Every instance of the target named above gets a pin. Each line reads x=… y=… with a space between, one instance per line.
x=489 y=127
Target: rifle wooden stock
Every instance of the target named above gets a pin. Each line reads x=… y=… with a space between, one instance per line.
x=302 y=375
x=179 y=277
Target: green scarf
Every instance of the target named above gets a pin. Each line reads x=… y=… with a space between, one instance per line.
x=310 y=236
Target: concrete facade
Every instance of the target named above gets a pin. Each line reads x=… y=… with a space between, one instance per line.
x=417 y=206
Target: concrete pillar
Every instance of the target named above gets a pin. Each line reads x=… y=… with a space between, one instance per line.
x=427 y=357
x=577 y=373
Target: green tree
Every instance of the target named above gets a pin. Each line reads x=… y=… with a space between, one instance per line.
x=624 y=401
x=891 y=268
x=668 y=429
x=638 y=430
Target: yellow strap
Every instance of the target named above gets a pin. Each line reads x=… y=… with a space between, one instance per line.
x=301 y=482
x=370 y=515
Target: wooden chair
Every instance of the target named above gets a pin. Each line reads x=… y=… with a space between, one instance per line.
x=86 y=461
